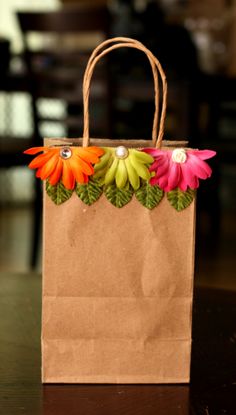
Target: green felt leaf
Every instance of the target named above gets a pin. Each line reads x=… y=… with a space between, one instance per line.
x=89 y=192
x=118 y=197
x=58 y=193
x=98 y=180
x=149 y=196
x=180 y=200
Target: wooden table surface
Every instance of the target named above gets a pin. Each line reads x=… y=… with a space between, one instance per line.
x=213 y=376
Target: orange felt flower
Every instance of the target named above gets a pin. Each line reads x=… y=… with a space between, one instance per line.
x=68 y=164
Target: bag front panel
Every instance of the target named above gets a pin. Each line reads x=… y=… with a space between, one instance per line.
x=117 y=288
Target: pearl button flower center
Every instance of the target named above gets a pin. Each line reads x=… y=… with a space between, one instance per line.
x=179 y=155
x=121 y=152
x=65 y=153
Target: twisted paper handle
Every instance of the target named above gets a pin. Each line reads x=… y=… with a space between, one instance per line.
x=156 y=68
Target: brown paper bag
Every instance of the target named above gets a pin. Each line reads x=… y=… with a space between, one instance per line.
x=117 y=283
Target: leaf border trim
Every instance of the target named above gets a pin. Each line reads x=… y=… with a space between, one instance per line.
x=147 y=195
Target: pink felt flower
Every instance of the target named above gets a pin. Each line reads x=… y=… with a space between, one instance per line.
x=179 y=168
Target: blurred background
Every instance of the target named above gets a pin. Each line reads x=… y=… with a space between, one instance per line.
x=44 y=47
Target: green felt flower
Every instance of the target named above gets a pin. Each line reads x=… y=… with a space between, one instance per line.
x=121 y=166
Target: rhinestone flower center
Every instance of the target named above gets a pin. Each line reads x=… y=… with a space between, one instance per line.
x=65 y=153
x=179 y=155
x=121 y=152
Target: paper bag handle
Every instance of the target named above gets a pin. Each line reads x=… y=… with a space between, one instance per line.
x=156 y=68
x=96 y=52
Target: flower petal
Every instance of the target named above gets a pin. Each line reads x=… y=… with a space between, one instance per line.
x=85 y=178
x=35 y=150
x=188 y=177
x=49 y=167
x=199 y=167
x=163 y=183
x=98 y=151
x=38 y=172
x=76 y=169
x=152 y=151
x=40 y=160
x=86 y=167
x=183 y=185
x=56 y=175
x=86 y=155
x=154 y=166
x=163 y=168
x=174 y=176
x=154 y=181
x=203 y=154
x=68 y=178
